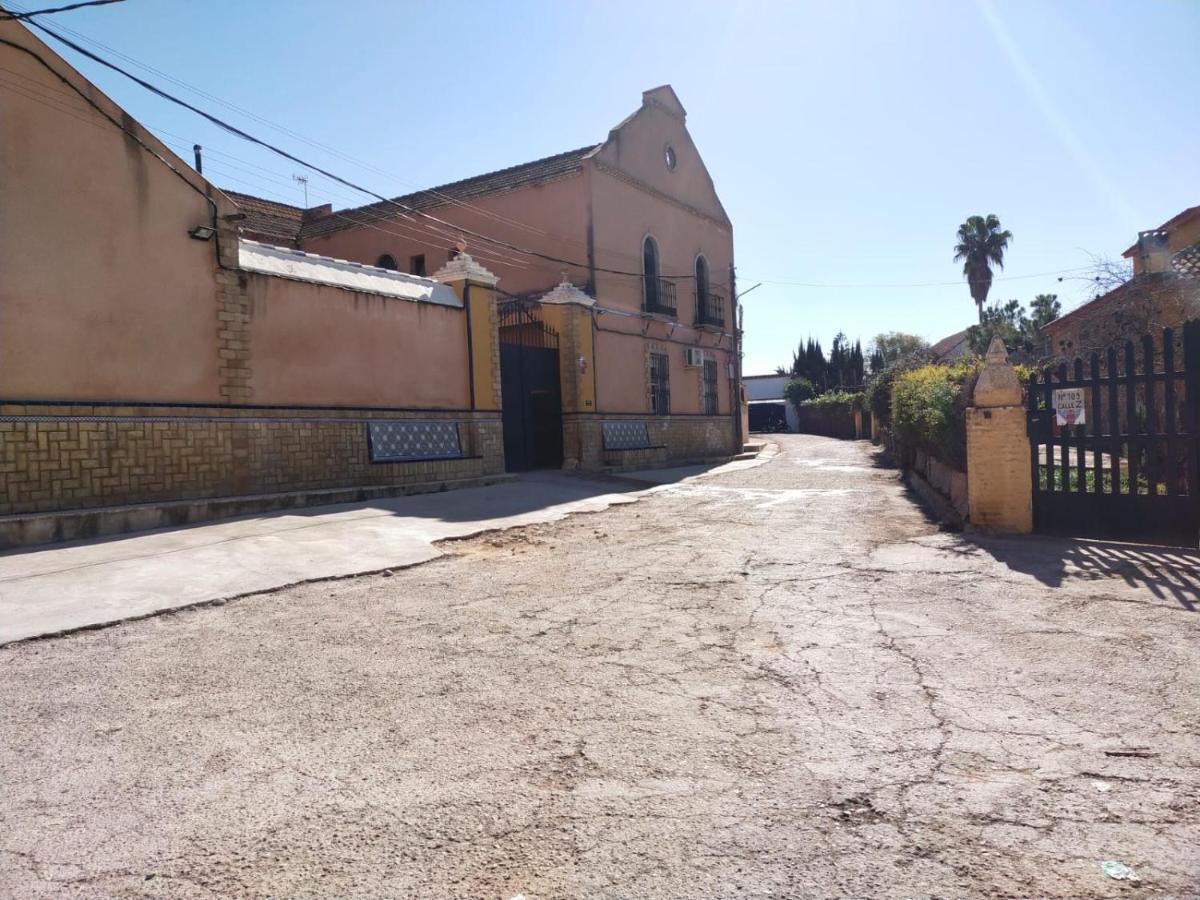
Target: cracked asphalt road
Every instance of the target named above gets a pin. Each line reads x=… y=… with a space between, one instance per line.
x=781 y=681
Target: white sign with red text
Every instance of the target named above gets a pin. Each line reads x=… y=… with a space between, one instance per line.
x=1068 y=406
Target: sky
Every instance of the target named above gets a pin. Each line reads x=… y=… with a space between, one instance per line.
x=847 y=140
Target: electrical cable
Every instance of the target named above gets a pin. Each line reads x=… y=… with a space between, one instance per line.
x=238 y=132
x=18 y=16
x=132 y=135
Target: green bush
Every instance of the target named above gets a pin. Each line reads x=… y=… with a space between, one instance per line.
x=929 y=410
x=798 y=390
x=834 y=400
x=878 y=393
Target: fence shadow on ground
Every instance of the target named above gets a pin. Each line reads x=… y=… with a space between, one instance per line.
x=1169 y=573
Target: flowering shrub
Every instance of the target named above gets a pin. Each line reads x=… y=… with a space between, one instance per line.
x=929 y=410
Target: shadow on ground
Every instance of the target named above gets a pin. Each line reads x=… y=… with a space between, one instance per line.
x=1169 y=573
x=529 y=493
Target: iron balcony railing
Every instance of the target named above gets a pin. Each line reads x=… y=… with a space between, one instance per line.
x=660 y=296
x=710 y=308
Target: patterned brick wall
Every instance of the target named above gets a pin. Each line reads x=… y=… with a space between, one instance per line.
x=682 y=438
x=72 y=457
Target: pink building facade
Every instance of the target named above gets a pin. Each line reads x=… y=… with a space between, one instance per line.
x=635 y=224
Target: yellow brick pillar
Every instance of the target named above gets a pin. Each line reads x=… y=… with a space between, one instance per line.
x=999 y=483
x=476 y=287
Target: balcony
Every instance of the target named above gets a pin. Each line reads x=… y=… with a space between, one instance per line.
x=710 y=308
x=660 y=296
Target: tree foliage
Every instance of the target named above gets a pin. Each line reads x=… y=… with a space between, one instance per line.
x=843 y=368
x=888 y=347
x=1018 y=330
x=798 y=390
x=981 y=244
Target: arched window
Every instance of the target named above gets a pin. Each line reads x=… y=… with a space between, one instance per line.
x=701 y=282
x=650 y=287
x=386 y=262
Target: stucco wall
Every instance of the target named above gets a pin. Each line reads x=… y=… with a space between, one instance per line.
x=314 y=344
x=552 y=218
x=103 y=294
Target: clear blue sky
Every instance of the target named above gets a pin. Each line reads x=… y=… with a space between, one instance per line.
x=847 y=140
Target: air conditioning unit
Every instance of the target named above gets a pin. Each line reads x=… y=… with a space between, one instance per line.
x=693 y=357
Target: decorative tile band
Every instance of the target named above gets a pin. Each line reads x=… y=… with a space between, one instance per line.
x=400 y=439
x=626 y=436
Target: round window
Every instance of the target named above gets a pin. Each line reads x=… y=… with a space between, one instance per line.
x=669 y=156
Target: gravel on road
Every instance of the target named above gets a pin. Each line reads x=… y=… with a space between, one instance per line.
x=783 y=681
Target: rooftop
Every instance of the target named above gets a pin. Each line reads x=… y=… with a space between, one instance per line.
x=1169 y=225
x=283 y=262
x=276 y=223
x=280 y=223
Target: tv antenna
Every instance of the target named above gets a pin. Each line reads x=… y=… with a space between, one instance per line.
x=302 y=180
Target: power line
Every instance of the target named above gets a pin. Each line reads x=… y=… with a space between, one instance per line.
x=300 y=137
x=120 y=126
x=55 y=9
x=233 y=129
x=508 y=220
x=66 y=103
x=911 y=284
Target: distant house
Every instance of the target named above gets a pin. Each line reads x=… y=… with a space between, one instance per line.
x=952 y=347
x=1164 y=291
x=768 y=407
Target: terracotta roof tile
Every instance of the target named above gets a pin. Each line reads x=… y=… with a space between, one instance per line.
x=1187 y=260
x=268 y=221
x=949 y=344
x=1136 y=286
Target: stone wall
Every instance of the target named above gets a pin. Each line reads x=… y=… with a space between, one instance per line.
x=950 y=483
x=58 y=457
x=676 y=440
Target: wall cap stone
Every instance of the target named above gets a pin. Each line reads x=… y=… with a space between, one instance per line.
x=998 y=384
x=464 y=268
x=565 y=292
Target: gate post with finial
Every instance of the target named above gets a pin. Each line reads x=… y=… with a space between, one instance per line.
x=999 y=481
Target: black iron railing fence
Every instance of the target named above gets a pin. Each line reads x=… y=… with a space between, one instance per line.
x=710 y=308
x=1131 y=468
x=660 y=296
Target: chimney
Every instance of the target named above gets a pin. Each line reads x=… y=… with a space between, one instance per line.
x=1154 y=251
x=316 y=212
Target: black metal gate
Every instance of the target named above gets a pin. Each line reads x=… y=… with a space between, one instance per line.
x=1132 y=470
x=530 y=391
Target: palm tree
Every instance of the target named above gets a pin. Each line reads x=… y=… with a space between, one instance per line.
x=981 y=244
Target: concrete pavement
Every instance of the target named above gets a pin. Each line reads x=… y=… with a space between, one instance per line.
x=60 y=588
x=781 y=682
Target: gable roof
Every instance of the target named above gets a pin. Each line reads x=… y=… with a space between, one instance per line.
x=535 y=172
x=947 y=346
